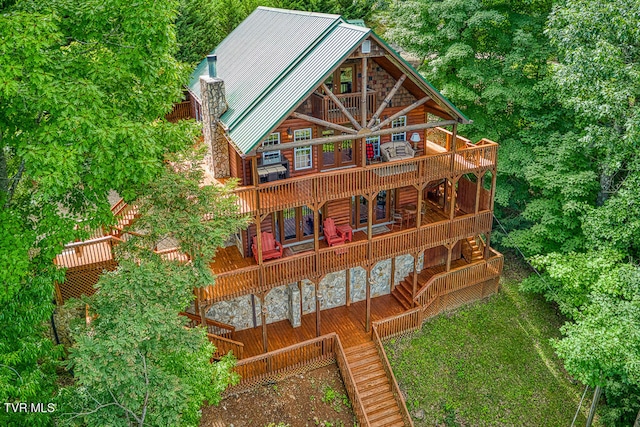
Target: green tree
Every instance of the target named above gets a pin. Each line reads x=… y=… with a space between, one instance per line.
x=83 y=88
x=136 y=364
x=492 y=59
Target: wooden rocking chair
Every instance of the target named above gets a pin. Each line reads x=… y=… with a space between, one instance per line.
x=271 y=248
x=331 y=234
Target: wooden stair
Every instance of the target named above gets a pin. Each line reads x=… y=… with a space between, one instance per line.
x=125 y=214
x=403 y=291
x=476 y=251
x=373 y=386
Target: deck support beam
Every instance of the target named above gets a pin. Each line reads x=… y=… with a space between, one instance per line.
x=368 y=302
x=479 y=179
x=363 y=89
x=420 y=189
x=393 y=273
x=263 y=319
x=347 y=287
x=414 y=290
x=449 y=253
x=316 y=283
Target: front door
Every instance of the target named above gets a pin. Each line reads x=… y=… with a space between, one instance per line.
x=337 y=154
x=295 y=224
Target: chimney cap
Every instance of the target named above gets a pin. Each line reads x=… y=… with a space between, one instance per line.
x=212 y=63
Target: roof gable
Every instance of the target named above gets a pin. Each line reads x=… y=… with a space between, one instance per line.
x=275 y=59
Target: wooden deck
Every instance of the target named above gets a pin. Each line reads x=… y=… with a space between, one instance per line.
x=347 y=322
x=229 y=258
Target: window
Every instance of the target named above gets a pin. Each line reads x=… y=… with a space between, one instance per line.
x=270 y=157
x=302 y=155
x=399 y=122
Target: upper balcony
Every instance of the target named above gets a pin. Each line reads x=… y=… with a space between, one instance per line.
x=436 y=161
x=325 y=108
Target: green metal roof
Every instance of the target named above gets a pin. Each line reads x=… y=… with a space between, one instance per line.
x=272 y=61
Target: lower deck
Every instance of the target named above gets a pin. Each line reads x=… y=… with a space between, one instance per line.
x=347 y=321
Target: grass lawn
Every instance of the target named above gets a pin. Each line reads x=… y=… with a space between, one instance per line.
x=488 y=364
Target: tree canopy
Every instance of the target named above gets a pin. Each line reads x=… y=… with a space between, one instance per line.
x=83 y=89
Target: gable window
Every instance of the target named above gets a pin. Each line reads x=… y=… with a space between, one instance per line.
x=270 y=157
x=302 y=155
x=399 y=122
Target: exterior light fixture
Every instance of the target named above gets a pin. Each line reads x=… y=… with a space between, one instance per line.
x=415 y=138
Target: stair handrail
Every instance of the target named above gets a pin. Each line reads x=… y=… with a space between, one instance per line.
x=211 y=324
x=237 y=345
x=349 y=382
x=395 y=388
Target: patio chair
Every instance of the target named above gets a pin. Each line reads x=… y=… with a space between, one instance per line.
x=333 y=236
x=271 y=248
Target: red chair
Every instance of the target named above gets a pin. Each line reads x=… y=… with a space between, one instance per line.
x=271 y=248
x=333 y=236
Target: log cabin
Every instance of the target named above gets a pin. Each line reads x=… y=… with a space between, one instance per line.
x=362 y=195
x=369 y=213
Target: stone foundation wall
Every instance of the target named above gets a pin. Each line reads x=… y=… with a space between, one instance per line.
x=283 y=302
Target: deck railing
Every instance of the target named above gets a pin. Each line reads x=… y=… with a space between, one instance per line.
x=451 y=281
x=395 y=389
x=294 y=268
x=225 y=345
x=323 y=106
x=339 y=184
x=278 y=364
x=181 y=111
x=400 y=324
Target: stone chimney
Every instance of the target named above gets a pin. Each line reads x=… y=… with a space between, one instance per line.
x=214 y=104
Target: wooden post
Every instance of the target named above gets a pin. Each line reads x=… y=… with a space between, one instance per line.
x=369 y=218
x=263 y=318
x=316 y=282
x=454 y=194
x=258 y=220
x=449 y=253
x=420 y=189
x=414 y=290
x=348 y=287
x=487 y=245
x=393 y=273
x=301 y=287
x=493 y=188
x=454 y=148
x=368 y=300
x=478 y=188
x=363 y=102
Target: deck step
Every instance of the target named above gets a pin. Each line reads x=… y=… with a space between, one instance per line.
x=373 y=386
x=403 y=292
x=390 y=421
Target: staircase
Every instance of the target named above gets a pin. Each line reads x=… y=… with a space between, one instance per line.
x=403 y=291
x=125 y=214
x=476 y=251
x=373 y=386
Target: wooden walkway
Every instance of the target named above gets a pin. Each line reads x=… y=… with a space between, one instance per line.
x=347 y=322
x=373 y=386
